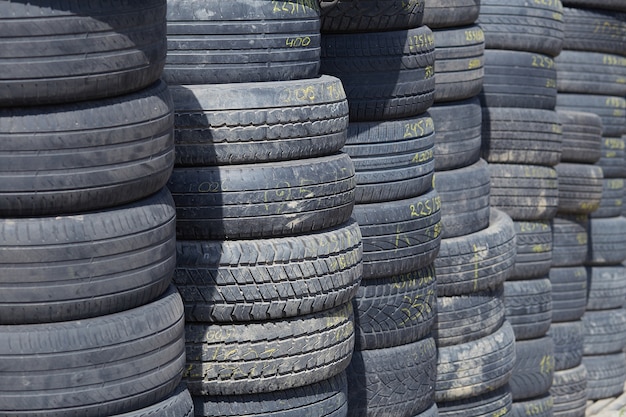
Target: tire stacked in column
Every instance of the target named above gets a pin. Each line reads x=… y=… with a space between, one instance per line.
x=268 y=255
x=385 y=59
x=522 y=144
x=90 y=325
x=475 y=343
x=594 y=39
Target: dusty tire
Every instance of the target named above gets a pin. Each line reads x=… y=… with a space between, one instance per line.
x=266 y=279
x=607 y=287
x=61 y=53
x=569 y=293
x=346 y=16
x=459 y=56
x=534 y=368
x=263 y=200
x=393 y=160
x=594 y=30
x=606 y=375
x=524 y=192
x=521 y=136
x=457 y=133
x=541 y=406
x=582 y=136
x=178 y=404
x=386 y=75
x=580 y=188
x=270 y=355
x=611 y=109
x=213 y=42
x=607 y=241
x=451 y=13
x=570 y=237
x=467 y=317
x=604 y=331
x=394 y=311
x=568 y=344
x=475 y=368
x=494 y=403
x=591 y=73
x=569 y=392
x=90 y=155
x=240 y=123
x=328 y=398
x=612 y=156
x=534 y=249
x=91 y=366
x=399 y=236
x=477 y=262
x=464 y=196
x=518 y=79
x=518 y=25
x=398 y=380
x=611 y=203
x=528 y=307
x=64 y=268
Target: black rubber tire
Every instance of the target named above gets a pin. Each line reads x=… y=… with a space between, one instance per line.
x=395 y=311
x=393 y=160
x=178 y=404
x=77 y=157
x=612 y=157
x=451 y=13
x=479 y=261
x=348 y=16
x=398 y=381
x=211 y=42
x=399 y=236
x=568 y=344
x=470 y=369
x=468 y=317
x=521 y=136
x=495 y=403
x=328 y=398
x=604 y=331
x=457 y=133
x=266 y=279
x=569 y=293
x=106 y=365
x=591 y=73
x=581 y=136
x=596 y=4
x=569 y=392
x=594 y=30
x=263 y=200
x=534 y=368
x=524 y=192
x=464 y=199
x=580 y=188
x=607 y=241
x=611 y=203
x=606 y=375
x=534 y=249
x=606 y=287
x=386 y=75
x=611 y=109
x=528 y=307
x=60 y=52
x=74 y=267
x=570 y=237
x=459 y=55
x=239 y=123
x=518 y=79
x=520 y=25
x=268 y=355
x=541 y=406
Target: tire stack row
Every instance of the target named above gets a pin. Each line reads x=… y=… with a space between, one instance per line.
x=268 y=256
x=522 y=144
x=385 y=59
x=89 y=323
x=591 y=76
x=475 y=343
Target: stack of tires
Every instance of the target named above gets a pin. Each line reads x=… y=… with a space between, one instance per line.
x=89 y=323
x=475 y=343
x=591 y=77
x=268 y=257
x=522 y=143
x=385 y=59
